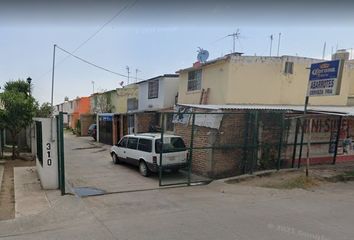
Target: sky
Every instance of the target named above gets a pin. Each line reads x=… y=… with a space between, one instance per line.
x=154 y=36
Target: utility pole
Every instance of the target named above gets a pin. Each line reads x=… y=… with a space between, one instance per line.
x=271 y=43
x=93 y=87
x=128 y=73
x=324 y=50
x=52 y=95
x=136 y=75
x=278 y=44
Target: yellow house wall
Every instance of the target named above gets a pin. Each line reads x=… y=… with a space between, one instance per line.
x=130 y=91
x=261 y=80
x=213 y=77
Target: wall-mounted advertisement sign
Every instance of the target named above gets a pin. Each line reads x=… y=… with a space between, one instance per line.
x=325 y=78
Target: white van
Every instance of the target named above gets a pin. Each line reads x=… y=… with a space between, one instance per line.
x=144 y=149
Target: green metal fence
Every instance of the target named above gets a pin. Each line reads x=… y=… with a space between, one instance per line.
x=60 y=148
x=224 y=144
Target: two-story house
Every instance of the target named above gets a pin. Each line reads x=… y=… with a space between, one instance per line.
x=156 y=94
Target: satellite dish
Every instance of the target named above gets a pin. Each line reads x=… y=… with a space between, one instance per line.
x=202 y=55
x=121 y=83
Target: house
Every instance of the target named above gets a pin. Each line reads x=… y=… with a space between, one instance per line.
x=237 y=79
x=68 y=108
x=81 y=106
x=111 y=107
x=249 y=114
x=155 y=95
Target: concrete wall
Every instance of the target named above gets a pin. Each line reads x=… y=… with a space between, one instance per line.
x=48 y=171
x=170 y=89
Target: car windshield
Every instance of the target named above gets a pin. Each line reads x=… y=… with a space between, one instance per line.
x=170 y=144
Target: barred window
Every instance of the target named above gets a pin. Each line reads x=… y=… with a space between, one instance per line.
x=289 y=67
x=194 y=80
x=153 y=91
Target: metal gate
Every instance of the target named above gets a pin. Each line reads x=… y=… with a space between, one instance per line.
x=60 y=147
x=223 y=144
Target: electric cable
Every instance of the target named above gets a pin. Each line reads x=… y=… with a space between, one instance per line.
x=92 y=64
x=126 y=7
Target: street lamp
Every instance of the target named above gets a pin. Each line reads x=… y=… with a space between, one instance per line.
x=29 y=80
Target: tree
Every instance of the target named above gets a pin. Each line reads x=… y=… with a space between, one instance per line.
x=103 y=103
x=18 y=86
x=45 y=110
x=18 y=109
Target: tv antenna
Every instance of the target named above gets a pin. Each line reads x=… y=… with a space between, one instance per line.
x=128 y=71
x=136 y=75
x=235 y=36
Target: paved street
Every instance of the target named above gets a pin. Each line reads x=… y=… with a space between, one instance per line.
x=214 y=211
x=89 y=165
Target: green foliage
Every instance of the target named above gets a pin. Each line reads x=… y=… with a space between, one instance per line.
x=45 y=110
x=78 y=127
x=18 y=86
x=18 y=108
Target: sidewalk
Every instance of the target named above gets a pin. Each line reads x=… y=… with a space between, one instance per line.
x=43 y=214
x=29 y=197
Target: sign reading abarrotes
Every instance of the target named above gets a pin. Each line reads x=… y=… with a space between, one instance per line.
x=324 y=78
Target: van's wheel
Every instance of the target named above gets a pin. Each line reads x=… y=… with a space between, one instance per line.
x=143 y=168
x=115 y=158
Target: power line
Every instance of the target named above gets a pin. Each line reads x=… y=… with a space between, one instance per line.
x=105 y=24
x=94 y=34
x=93 y=64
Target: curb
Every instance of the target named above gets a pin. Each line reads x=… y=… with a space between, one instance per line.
x=245 y=177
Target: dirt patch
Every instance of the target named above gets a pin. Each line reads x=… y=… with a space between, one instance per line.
x=284 y=180
x=7 y=193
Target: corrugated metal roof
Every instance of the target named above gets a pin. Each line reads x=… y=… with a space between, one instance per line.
x=246 y=107
x=338 y=110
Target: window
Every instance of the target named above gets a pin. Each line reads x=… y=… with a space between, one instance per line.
x=123 y=142
x=173 y=144
x=289 y=67
x=145 y=145
x=194 y=80
x=153 y=89
x=132 y=104
x=132 y=143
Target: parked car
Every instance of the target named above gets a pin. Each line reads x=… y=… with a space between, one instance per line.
x=144 y=150
x=92 y=131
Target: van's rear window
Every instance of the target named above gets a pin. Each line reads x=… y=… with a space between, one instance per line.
x=170 y=144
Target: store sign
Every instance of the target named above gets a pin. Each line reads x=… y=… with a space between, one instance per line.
x=325 y=78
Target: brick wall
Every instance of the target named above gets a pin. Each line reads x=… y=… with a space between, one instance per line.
x=227 y=155
x=224 y=160
x=143 y=121
x=86 y=120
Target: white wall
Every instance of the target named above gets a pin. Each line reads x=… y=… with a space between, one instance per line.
x=168 y=88
x=48 y=172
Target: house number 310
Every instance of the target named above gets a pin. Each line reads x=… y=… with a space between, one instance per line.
x=49 y=160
